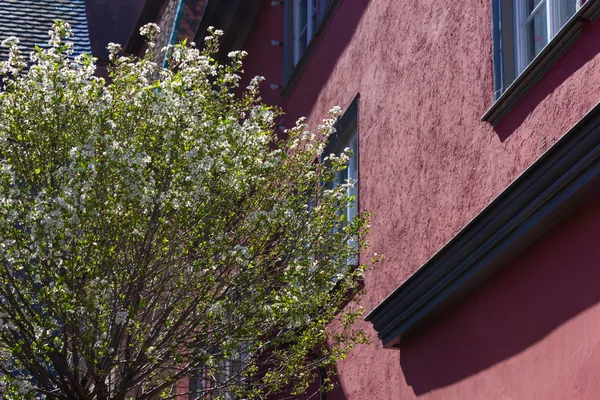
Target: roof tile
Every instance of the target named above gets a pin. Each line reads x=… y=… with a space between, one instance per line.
x=30 y=20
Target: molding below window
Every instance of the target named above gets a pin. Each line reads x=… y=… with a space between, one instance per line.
x=557 y=183
x=563 y=40
x=290 y=82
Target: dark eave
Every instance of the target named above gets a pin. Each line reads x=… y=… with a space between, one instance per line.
x=558 y=182
x=149 y=13
x=235 y=17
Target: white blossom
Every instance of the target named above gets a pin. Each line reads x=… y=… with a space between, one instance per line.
x=150 y=30
x=142 y=217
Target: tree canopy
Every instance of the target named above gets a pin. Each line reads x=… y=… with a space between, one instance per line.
x=157 y=226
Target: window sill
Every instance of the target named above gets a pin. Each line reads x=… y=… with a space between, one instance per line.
x=542 y=63
x=288 y=85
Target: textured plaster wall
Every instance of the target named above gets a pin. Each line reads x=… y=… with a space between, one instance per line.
x=427 y=166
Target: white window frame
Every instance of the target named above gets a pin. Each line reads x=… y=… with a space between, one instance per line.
x=521 y=19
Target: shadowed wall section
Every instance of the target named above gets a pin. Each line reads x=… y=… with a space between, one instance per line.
x=532 y=331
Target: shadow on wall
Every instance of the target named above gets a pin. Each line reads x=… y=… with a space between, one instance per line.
x=553 y=281
x=584 y=50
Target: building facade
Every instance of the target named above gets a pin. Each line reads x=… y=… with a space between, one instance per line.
x=477 y=133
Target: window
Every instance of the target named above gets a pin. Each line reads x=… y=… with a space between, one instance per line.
x=198 y=385
x=220 y=379
x=350 y=173
x=346 y=136
x=522 y=29
x=210 y=383
x=529 y=36
x=302 y=21
x=306 y=15
x=538 y=21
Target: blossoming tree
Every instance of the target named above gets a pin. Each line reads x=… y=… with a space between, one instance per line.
x=155 y=228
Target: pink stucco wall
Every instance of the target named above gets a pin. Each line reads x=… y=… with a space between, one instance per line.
x=427 y=166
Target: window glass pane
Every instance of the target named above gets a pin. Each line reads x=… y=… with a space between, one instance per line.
x=352 y=208
x=339 y=177
x=353 y=175
x=314 y=10
x=302 y=11
x=536 y=33
x=300 y=28
x=302 y=40
x=302 y=21
x=350 y=173
x=197 y=384
x=566 y=9
x=531 y=4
